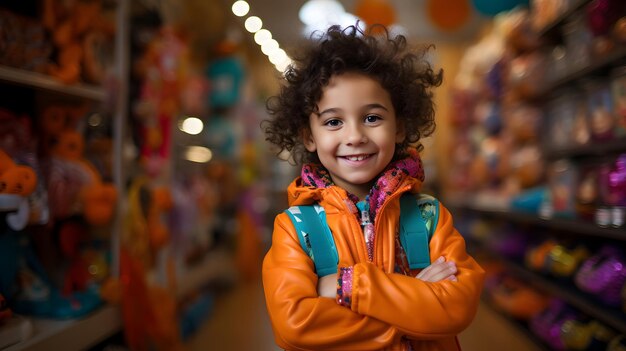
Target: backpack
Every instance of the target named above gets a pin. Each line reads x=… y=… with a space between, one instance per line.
x=419 y=215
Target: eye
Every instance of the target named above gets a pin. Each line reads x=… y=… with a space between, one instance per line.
x=372 y=118
x=333 y=123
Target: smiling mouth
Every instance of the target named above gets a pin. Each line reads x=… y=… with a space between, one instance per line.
x=357 y=157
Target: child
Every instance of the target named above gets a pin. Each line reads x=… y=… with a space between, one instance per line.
x=352 y=110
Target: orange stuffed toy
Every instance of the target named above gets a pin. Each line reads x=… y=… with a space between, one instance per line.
x=16 y=179
x=78 y=30
x=98 y=198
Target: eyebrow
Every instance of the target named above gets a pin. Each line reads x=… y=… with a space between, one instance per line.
x=366 y=107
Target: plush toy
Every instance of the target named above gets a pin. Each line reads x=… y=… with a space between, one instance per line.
x=78 y=31
x=97 y=198
x=16 y=179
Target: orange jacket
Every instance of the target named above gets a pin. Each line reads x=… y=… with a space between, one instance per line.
x=387 y=308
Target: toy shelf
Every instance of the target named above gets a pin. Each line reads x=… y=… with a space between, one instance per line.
x=41 y=81
x=598 y=66
x=72 y=334
x=572 y=226
x=91 y=329
x=595 y=149
x=561 y=288
x=556 y=23
x=571 y=295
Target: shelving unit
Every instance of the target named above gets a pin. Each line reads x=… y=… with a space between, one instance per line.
x=84 y=332
x=573 y=226
x=41 y=81
x=570 y=294
x=558 y=21
x=607 y=147
x=615 y=57
x=74 y=334
x=561 y=226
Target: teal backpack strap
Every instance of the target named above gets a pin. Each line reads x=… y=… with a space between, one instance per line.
x=419 y=215
x=315 y=237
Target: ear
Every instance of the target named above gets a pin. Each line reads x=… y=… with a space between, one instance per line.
x=400 y=132
x=308 y=140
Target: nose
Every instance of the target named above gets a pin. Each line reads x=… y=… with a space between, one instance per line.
x=355 y=135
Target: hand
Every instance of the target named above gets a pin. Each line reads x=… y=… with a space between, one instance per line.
x=438 y=270
x=327 y=286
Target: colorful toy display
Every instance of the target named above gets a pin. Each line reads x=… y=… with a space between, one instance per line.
x=604 y=275
x=78 y=30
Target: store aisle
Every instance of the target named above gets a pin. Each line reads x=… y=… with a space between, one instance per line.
x=240 y=322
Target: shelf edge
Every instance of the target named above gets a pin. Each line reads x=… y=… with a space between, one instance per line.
x=41 y=81
x=74 y=334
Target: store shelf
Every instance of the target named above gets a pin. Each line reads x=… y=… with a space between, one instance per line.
x=596 y=149
x=597 y=66
x=217 y=264
x=560 y=19
x=564 y=290
x=41 y=81
x=570 y=294
x=561 y=224
x=74 y=334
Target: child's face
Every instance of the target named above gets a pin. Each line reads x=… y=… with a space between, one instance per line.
x=355 y=132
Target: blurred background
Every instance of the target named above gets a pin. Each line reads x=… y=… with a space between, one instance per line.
x=137 y=192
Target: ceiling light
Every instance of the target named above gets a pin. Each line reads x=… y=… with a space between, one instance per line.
x=262 y=36
x=347 y=19
x=253 y=24
x=240 y=8
x=317 y=11
x=192 y=125
x=199 y=154
x=269 y=46
x=282 y=66
x=277 y=56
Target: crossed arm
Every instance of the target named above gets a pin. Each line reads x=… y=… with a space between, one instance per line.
x=439 y=302
x=437 y=271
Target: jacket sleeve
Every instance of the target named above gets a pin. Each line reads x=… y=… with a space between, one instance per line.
x=302 y=320
x=423 y=310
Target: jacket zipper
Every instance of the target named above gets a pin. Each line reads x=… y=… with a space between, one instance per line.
x=395 y=194
x=367 y=227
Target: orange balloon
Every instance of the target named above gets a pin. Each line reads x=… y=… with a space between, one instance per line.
x=449 y=15
x=375 y=12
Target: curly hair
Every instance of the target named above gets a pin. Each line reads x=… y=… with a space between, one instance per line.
x=406 y=75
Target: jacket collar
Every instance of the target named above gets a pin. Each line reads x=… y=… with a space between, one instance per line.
x=315 y=183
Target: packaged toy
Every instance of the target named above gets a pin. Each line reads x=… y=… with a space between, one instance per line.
x=600 y=110
x=618 y=95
